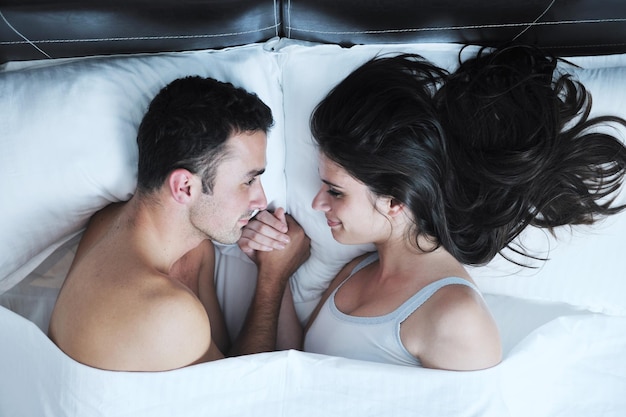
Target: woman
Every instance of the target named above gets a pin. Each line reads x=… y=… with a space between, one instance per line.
x=441 y=171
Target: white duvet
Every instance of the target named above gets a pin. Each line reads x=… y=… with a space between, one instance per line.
x=573 y=366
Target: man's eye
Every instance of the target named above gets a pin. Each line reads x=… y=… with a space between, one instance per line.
x=252 y=181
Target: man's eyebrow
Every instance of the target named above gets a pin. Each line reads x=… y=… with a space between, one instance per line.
x=255 y=172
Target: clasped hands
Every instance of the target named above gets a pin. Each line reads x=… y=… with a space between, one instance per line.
x=275 y=242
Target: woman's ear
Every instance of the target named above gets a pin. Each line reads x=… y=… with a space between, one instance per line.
x=395 y=207
x=390 y=206
x=180 y=183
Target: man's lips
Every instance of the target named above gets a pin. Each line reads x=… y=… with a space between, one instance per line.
x=246 y=219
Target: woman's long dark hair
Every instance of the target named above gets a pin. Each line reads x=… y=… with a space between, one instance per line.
x=380 y=124
x=476 y=155
x=524 y=151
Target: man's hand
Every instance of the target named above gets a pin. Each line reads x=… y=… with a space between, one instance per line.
x=282 y=263
x=275 y=266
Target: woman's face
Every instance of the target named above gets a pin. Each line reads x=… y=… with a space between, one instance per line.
x=353 y=212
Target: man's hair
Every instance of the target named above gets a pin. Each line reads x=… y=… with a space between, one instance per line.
x=187 y=126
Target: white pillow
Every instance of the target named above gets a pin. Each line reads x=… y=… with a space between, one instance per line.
x=585 y=268
x=68 y=147
x=586 y=265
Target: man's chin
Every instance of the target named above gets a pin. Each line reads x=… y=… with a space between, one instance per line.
x=228 y=240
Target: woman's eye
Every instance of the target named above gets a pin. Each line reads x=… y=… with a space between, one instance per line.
x=333 y=193
x=251 y=181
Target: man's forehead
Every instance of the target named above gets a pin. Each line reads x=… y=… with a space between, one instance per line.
x=249 y=149
x=248 y=141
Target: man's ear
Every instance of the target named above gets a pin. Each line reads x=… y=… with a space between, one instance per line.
x=180 y=183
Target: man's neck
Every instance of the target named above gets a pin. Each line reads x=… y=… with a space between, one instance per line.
x=161 y=229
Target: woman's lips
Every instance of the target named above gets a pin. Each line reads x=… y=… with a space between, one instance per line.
x=332 y=223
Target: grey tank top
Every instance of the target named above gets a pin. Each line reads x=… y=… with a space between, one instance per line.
x=374 y=339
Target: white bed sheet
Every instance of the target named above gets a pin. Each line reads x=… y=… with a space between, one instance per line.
x=573 y=366
x=559 y=360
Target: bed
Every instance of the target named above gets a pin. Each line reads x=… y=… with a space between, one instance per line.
x=75 y=80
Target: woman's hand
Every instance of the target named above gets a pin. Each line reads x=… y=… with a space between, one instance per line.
x=265 y=232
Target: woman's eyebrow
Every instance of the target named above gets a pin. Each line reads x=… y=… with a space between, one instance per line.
x=330 y=184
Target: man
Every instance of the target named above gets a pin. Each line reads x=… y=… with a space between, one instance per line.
x=139 y=295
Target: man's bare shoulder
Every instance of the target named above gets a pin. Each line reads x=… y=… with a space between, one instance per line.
x=117 y=310
x=156 y=325
x=170 y=331
x=98 y=224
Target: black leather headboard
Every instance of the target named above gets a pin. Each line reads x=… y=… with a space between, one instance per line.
x=34 y=29
x=569 y=27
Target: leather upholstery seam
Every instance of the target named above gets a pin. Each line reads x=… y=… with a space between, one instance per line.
x=464 y=27
x=140 y=38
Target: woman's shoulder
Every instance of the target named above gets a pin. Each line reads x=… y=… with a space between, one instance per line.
x=462 y=333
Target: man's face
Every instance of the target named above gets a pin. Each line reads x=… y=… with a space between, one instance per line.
x=237 y=189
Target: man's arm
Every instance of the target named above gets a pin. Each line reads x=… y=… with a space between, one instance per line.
x=290 y=332
x=275 y=267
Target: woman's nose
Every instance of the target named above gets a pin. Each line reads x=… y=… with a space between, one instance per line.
x=319 y=201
